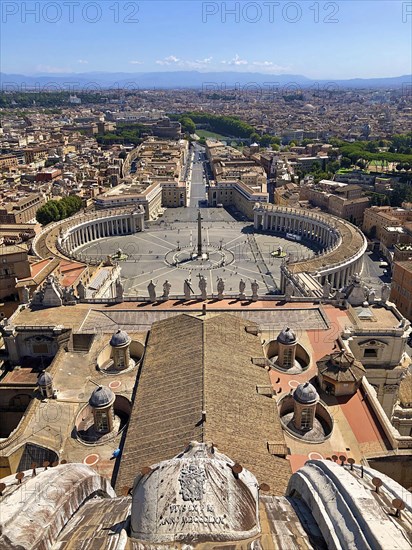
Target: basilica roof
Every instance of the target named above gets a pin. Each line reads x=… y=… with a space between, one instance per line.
x=198 y=382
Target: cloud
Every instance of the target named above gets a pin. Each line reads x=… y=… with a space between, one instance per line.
x=82 y=61
x=196 y=64
x=170 y=60
x=235 y=61
x=264 y=66
x=136 y=62
x=263 y=63
x=204 y=61
x=184 y=63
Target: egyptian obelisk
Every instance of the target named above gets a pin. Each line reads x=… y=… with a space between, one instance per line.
x=199 y=234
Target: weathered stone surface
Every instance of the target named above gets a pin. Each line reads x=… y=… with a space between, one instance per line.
x=195 y=497
x=36 y=511
x=347 y=513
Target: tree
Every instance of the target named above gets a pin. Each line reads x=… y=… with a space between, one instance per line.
x=53 y=210
x=345 y=162
x=333 y=166
x=188 y=126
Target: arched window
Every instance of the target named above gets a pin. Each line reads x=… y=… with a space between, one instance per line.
x=287 y=358
x=306 y=419
x=102 y=422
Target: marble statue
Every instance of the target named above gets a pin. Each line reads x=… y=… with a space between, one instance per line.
x=187 y=289
x=151 y=288
x=289 y=290
x=166 y=289
x=52 y=293
x=203 y=286
x=327 y=287
x=68 y=296
x=37 y=298
x=25 y=295
x=356 y=292
x=81 y=291
x=385 y=291
x=119 y=290
x=220 y=288
x=242 y=286
x=371 y=296
x=255 y=288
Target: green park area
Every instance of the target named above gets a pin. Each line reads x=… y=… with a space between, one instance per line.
x=213 y=135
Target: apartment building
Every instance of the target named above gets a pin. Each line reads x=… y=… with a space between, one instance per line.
x=8 y=161
x=14 y=264
x=344 y=201
x=174 y=194
x=377 y=218
x=149 y=196
x=306 y=163
x=401 y=291
x=35 y=154
x=355 y=177
x=237 y=194
x=21 y=211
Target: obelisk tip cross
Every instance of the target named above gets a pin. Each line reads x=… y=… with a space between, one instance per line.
x=199 y=234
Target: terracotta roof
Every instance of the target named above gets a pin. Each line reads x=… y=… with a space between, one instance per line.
x=39 y=271
x=193 y=365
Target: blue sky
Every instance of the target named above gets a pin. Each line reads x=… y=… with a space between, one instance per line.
x=338 y=39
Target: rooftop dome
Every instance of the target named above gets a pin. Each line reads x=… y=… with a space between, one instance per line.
x=341 y=366
x=44 y=379
x=101 y=397
x=198 y=496
x=120 y=338
x=287 y=336
x=306 y=394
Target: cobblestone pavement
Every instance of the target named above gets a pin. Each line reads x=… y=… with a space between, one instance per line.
x=151 y=254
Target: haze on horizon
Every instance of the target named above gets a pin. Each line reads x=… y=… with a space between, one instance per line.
x=339 y=39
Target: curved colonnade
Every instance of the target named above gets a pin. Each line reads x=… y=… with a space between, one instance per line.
x=79 y=230
x=109 y=225
x=343 y=244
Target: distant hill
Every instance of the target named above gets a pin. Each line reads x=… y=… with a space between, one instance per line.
x=213 y=81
